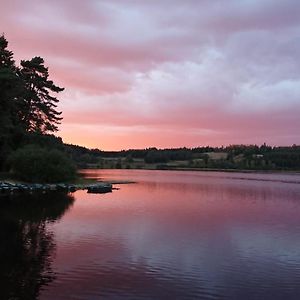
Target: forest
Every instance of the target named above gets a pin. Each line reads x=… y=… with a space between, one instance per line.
x=239 y=157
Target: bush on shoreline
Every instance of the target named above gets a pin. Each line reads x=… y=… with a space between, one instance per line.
x=36 y=164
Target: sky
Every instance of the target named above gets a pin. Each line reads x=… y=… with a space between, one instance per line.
x=166 y=73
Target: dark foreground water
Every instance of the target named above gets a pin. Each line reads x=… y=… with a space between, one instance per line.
x=172 y=235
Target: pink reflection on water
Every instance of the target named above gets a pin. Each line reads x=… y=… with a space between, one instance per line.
x=170 y=223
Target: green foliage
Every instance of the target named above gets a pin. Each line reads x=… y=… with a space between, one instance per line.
x=35 y=164
x=118 y=164
x=156 y=156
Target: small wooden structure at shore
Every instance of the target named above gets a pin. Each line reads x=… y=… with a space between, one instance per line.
x=7 y=188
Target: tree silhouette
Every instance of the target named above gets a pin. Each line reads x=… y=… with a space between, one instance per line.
x=27 y=100
x=39 y=112
x=10 y=89
x=28 y=246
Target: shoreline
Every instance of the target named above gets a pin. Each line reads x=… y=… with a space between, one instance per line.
x=291 y=172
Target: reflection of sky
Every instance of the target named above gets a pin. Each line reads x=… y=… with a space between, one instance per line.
x=200 y=234
x=268 y=244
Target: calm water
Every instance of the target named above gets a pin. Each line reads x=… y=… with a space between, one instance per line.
x=172 y=235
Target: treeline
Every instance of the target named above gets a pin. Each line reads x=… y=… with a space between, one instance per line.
x=251 y=157
x=28 y=117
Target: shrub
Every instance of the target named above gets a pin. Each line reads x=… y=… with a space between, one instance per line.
x=35 y=164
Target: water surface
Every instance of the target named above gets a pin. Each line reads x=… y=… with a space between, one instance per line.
x=172 y=235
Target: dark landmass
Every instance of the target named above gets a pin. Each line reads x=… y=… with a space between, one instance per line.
x=229 y=158
x=28 y=114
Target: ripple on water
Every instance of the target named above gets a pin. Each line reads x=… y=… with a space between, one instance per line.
x=182 y=235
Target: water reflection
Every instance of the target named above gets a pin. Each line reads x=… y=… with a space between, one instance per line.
x=173 y=235
x=179 y=235
x=27 y=246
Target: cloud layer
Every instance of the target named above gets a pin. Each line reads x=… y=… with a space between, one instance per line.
x=167 y=73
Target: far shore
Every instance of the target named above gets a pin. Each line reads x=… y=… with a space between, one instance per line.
x=296 y=172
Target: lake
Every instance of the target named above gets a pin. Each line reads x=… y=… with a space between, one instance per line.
x=170 y=235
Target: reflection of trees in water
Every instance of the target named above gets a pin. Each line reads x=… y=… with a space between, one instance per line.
x=26 y=245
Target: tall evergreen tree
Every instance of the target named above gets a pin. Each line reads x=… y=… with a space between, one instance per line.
x=10 y=88
x=39 y=111
x=27 y=101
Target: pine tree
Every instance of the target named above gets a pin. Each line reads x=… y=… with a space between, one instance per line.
x=7 y=82
x=39 y=112
x=10 y=88
x=27 y=101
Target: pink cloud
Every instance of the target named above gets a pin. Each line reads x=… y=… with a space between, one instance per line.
x=136 y=76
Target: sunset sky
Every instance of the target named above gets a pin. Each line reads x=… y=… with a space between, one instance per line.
x=166 y=73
